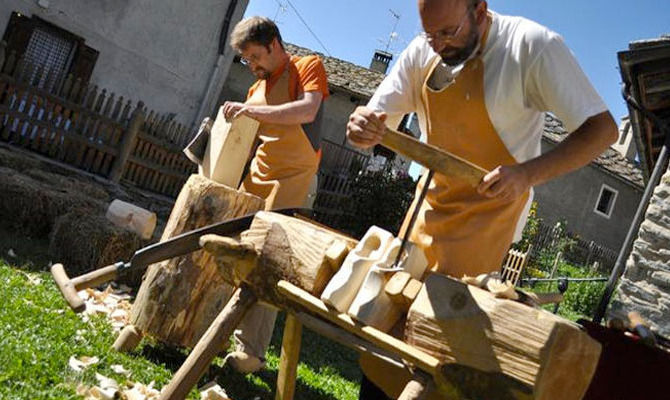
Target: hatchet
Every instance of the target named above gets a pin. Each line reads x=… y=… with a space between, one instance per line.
x=184 y=243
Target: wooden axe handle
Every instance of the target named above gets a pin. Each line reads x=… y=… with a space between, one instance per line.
x=67 y=288
x=433 y=157
x=70 y=287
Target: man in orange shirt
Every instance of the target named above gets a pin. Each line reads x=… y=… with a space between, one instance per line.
x=287 y=100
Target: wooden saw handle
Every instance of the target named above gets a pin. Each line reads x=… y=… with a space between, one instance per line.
x=433 y=157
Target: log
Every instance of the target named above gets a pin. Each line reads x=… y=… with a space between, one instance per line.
x=228 y=149
x=451 y=380
x=132 y=218
x=462 y=324
x=179 y=298
x=277 y=247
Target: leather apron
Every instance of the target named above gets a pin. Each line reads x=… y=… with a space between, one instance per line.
x=285 y=162
x=460 y=231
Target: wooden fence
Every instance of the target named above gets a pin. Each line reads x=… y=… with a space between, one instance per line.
x=81 y=125
x=578 y=251
x=334 y=180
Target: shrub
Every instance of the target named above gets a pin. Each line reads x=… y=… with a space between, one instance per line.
x=379 y=198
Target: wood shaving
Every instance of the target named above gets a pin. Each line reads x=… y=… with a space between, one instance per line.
x=212 y=391
x=114 y=303
x=80 y=364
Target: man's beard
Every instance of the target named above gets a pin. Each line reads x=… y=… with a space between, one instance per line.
x=262 y=73
x=454 y=56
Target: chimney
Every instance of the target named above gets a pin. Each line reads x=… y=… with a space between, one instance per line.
x=626 y=145
x=380 y=61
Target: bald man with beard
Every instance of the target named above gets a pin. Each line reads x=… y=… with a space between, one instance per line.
x=481 y=84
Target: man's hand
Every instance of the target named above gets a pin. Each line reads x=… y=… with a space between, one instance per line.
x=233 y=109
x=365 y=127
x=506 y=182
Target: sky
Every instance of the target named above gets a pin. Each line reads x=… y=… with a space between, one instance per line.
x=595 y=30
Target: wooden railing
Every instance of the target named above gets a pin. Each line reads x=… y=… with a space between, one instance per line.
x=335 y=173
x=79 y=124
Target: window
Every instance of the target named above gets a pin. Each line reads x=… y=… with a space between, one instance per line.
x=49 y=50
x=49 y=46
x=606 y=200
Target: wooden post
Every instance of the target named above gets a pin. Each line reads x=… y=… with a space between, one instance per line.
x=209 y=345
x=555 y=267
x=288 y=361
x=127 y=143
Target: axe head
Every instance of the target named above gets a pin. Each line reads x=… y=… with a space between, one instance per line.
x=195 y=150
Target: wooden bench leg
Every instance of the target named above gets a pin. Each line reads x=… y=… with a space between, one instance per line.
x=418 y=388
x=209 y=345
x=128 y=339
x=288 y=361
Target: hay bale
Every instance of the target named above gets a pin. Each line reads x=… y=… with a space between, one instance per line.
x=70 y=184
x=31 y=206
x=83 y=242
x=10 y=158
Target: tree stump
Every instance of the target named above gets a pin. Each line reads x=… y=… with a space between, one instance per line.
x=179 y=298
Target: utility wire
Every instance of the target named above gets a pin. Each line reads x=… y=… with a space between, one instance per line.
x=307 y=26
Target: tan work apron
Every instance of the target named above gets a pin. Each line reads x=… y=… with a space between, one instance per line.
x=285 y=162
x=460 y=231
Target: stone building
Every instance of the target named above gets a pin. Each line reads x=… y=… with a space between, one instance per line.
x=596 y=202
x=167 y=53
x=645 y=285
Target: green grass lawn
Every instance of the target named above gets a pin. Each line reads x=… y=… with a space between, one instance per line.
x=38 y=336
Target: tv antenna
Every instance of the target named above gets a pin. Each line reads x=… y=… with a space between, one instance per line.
x=393 y=35
x=281 y=8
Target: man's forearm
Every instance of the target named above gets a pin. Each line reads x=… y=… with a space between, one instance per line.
x=300 y=111
x=577 y=150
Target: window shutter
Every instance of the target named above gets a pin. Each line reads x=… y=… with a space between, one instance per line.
x=18 y=32
x=84 y=62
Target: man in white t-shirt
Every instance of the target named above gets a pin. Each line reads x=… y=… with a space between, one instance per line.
x=481 y=84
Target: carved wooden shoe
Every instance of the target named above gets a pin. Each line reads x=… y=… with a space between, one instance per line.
x=342 y=288
x=372 y=305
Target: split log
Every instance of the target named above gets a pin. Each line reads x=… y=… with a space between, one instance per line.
x=228 y=149
x=468 y=326
x=132 y=217
x=277 y=247
x=179 y=298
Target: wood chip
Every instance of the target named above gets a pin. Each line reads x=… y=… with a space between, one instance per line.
x=80 y=364
x=212 y=391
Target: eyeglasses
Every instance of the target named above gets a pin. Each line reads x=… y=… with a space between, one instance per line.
x=247 y=61
x=444 y=36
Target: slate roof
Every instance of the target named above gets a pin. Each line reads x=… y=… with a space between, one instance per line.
x=611 y=160
x=344 y=75
x=362 y=81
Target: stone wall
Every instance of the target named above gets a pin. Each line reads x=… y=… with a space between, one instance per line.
x=645 y=286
